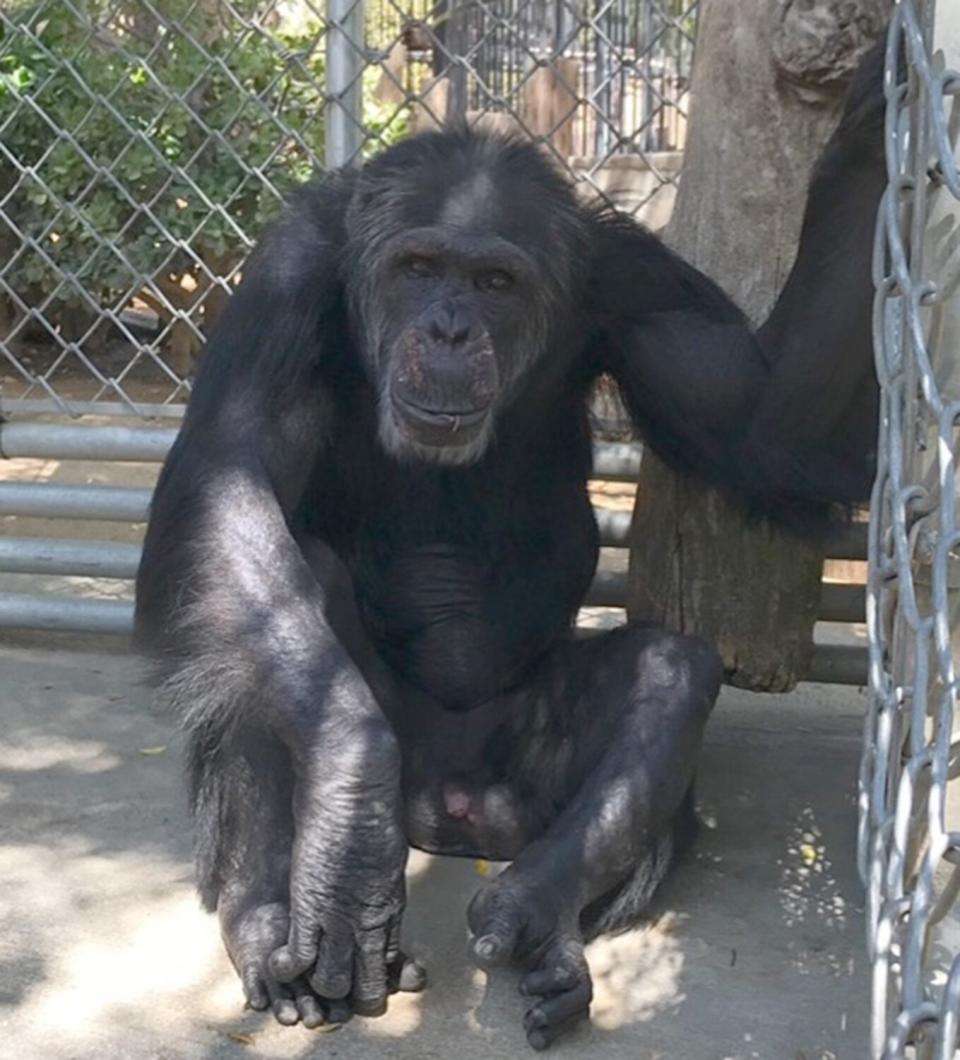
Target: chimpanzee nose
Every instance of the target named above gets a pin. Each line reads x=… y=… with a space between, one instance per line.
x=450 y=325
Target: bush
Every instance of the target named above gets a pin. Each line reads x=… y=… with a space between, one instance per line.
x=136 y=148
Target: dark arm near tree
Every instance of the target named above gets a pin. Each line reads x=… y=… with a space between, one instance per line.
x=788 y=412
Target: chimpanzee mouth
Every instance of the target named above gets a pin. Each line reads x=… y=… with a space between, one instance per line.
x=445 y=427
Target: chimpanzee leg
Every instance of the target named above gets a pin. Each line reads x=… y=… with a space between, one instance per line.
x=608 y=731
x=245 y=782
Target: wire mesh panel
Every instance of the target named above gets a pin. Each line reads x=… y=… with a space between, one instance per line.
x=909 y=846
x=144 y=144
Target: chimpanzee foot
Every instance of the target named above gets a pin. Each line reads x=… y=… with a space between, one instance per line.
x=250 y=936
x=561 y=979
x=514 y=920
x=253 y=934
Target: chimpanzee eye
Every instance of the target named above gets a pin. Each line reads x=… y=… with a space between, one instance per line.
x=419 y=266
x=494 y=280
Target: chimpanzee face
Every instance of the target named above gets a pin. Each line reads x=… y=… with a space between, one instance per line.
x=454 y=339
x=454 y=296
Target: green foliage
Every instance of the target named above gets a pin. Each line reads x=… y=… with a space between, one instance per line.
x=155 y=136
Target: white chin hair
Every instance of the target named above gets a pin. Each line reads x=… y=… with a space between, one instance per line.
x=403 y=447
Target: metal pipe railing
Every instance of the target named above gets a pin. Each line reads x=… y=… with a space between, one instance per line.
x=114 y=560
x=90 y=559
x=59 y=441
x=67 y=614
x=50 y=500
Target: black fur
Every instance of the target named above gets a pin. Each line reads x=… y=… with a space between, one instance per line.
x=369 y=543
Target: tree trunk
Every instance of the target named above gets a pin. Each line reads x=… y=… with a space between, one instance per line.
x=766 y=94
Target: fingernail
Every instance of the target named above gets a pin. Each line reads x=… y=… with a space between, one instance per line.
x=487 y=948
x=537 y=1017
x=538 y=1040
x=413 y=977
x=338 y=1013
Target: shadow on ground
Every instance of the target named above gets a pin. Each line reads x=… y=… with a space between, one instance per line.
x=755 y=950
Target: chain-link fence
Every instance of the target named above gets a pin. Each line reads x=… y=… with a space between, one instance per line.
x=909 y=849
x=143 y=145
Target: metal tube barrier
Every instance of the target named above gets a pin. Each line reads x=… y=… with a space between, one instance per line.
x=617 y=461
x=66 y=614
x=56 y=441
x=842 y=602
x=49 y=500
x=612 y=462
x=91 y=559
x=144 y=410
x=839 y=664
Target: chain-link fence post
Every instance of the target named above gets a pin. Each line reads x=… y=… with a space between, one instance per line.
x=345 y=65
x=909 y=850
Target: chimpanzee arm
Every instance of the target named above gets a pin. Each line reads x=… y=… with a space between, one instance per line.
x=237 y=620
x=816 y=427
x=788 y=411
x=688 y=366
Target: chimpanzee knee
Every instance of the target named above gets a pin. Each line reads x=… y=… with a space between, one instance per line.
x=640 y=664
x=678 y=663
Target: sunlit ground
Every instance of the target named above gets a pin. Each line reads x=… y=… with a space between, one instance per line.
x=754 y=949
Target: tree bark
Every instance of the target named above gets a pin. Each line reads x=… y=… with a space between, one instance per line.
x=767 y=91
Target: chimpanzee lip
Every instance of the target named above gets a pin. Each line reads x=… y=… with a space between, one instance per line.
x=448 y=423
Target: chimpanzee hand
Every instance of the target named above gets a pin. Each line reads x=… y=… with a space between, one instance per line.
x=253 y=931
x=517 y=918
x=347 y=871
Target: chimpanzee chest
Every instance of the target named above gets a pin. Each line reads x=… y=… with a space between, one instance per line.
x=453 y=623
x=463 y=576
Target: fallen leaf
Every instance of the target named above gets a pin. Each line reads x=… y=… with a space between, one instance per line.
x=240 y=1037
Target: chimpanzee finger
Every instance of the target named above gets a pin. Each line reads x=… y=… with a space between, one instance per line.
x=332 y=975
x=553 y=980
x=300 y=951
x=254 y=989
x=393 y=954
x=406 y=975
x=282 y=1004
x=496 y=923
x=307 y=1004
x=497 y=942
x=369 y=996
x=338 y=1012
x=542 y=1037
x=560 y=1007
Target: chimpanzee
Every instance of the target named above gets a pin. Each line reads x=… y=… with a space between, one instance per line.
x=369 y=543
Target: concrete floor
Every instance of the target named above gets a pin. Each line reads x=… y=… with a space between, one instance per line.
x=756 y=950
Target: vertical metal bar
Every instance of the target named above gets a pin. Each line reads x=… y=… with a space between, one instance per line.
x=458 y=43
x=598 y=89
x=345 y=63
x=648 y=139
